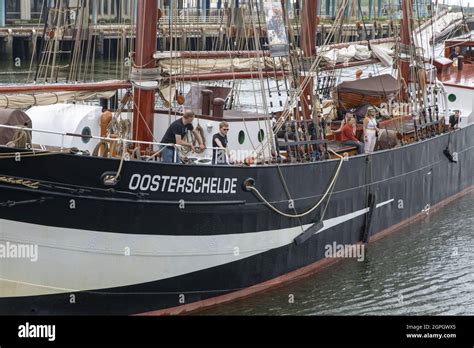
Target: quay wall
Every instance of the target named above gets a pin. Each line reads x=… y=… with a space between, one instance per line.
x=22 y=42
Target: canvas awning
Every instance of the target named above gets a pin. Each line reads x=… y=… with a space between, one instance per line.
x=11 y=117
x=373 y=90
x=375 y=86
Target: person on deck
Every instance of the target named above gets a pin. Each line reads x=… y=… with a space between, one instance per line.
x=456 y=53
x=348 y=136
x=370 y=130
x=174 y=135
x=349 y=115
x=454 y=119
x=219 y=140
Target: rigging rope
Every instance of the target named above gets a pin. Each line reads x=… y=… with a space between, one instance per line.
x=297 y=93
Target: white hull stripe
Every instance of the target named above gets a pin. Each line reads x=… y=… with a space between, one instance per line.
x=71 y=260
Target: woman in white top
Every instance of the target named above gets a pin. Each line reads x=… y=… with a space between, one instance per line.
x=370 y=131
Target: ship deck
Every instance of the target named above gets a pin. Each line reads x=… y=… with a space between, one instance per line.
x=462 y=79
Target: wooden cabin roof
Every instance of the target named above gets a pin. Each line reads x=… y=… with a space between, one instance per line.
x=461 y=79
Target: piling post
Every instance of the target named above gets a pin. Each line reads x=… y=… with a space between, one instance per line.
x=100 y=44
x=363 y=34
x=9 y=45
x=31 y=44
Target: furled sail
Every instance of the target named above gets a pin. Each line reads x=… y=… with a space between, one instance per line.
x=23 y=101
x=192 y=66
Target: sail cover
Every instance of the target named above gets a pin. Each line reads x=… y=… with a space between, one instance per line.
x=373 y=90
x=10 y=117
x=378 y=85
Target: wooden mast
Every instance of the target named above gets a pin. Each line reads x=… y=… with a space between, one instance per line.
x=405 y=43
x=308 y=32
x=144 y=100
x=308 y=45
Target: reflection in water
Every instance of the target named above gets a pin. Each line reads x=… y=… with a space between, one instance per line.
x=426 y=268
x=103 y=70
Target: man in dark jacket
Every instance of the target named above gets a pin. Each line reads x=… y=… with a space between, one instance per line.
x=175 y=134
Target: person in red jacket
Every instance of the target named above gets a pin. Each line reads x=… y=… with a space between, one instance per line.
x=348 y=137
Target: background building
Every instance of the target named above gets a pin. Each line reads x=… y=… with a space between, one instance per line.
x=29 y=11
x=26 y=11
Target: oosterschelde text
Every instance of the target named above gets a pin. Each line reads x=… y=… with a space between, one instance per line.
x=182 y=184
x=10 y=250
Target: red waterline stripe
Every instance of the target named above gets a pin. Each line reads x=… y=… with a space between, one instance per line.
x=299 y=273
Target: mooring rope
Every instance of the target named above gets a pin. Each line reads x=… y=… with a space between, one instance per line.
x=326 y=193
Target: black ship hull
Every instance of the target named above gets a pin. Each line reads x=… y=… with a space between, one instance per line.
x=170 y=238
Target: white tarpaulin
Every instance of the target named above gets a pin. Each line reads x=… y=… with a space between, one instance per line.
x=442 y=23
x=383 y=52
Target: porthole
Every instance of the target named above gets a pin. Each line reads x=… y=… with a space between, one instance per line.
x=86 y=135
x=452 y=98
x=241 y=137
x=261 y=135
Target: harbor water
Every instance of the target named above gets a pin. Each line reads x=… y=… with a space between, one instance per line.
x=426 y=268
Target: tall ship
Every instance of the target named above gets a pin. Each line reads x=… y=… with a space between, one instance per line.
x=119 y=231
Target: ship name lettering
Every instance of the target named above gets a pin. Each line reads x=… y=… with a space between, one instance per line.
x=182 y=184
